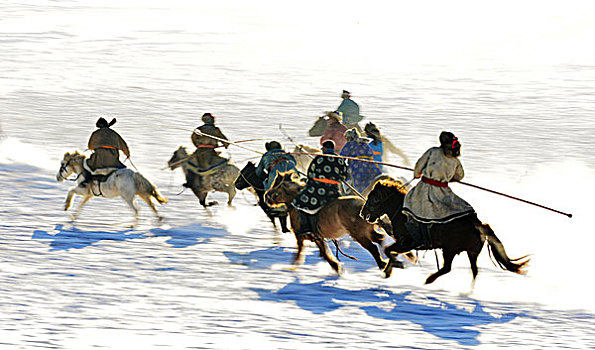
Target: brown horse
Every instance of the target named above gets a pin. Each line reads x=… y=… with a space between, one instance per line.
x=463 y=234
x=336 y=219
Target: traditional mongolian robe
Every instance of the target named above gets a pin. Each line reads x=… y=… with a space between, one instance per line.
x=431 y=200
x=274 y=162
x=350 y=111
x=334 y=131
x=106 y=144
x=377 y=152
x=205 y=155
x=362 y=173
x=324 y=176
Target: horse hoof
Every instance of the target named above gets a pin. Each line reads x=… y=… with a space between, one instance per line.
x=398 y=265
x=388 y=270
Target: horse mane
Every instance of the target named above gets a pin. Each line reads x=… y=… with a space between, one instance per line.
x=392 y=184
x=309 y=149
x=74 y=155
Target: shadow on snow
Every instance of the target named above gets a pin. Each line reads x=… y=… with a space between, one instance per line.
x=439 y=318
x=76 y=238
x=266 y=258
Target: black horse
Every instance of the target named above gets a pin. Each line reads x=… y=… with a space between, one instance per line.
x=248 y=178
x=463 y=234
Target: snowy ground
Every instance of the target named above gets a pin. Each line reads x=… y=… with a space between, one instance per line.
x=513 y=80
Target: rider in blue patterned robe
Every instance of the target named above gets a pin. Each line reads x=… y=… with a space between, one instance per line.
x=274 y=162
x=324 y=176
x=362 y=173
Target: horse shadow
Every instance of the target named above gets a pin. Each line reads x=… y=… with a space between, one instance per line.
x=186 y=236
x=439 y=318
x=75 y=238
x=265 y=258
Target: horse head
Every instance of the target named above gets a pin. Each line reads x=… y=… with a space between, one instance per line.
x=71 y=163
x=386 y=197
x=177 y=158
x=248 y=177
x=318 y=128
x=284 y=190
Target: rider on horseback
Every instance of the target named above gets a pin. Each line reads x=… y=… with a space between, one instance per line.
x=350 y=111
x=362 y=173
x=431 y=201
x=379 y=145
x=106 y=144
x=205 y=156
x=324 y=176
x=275 y=161
x=334 y=131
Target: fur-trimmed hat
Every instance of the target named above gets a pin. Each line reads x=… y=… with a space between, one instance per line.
x=272 y=145
x=346 y=94
x=102 y=123
x=352 y=135
x=336 y=115
x=372 y=130
x=450 y=144
x=208 y=118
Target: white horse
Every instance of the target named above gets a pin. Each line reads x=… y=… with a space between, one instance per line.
x=303 y=160
x=122 y=182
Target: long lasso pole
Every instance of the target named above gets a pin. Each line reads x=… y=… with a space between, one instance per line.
x=394 y=166
x=461 y=182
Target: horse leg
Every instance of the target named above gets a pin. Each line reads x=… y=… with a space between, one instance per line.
x=298 y=260
x=129 y=199
x=202 y=198
x=80 y=207
x=68 y=201
x=372 y=248
x=283 y=223
x=325 y=253
x=231 y=192
x=152 y=206
x=447 y=256
x=472 y=255
x=391 y=252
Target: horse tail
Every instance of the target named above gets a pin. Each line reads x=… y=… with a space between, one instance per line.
x=496 y=249
x=144 y=187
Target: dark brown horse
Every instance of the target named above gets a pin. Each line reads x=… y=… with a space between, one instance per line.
x=248 y=178
x=335 y=219
x=466 y=234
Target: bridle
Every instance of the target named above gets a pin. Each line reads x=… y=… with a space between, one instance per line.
x=63 y=169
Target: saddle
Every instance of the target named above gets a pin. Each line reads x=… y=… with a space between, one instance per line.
x=98 y=175
x=193 y=168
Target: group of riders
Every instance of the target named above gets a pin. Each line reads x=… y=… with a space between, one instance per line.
x=430 y=201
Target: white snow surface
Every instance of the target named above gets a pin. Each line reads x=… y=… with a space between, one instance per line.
x=513 y=81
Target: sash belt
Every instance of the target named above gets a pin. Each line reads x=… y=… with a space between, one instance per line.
x=434 y=182
x=326 y=181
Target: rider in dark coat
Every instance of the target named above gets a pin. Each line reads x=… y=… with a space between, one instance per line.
x=205 y=156
x=105 y=144
x=324 y=177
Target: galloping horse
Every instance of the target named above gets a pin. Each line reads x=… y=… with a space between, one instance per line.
x=220 y=178
x=122 y=182
x=464 y=234
x=248 y=178
x=335 y=219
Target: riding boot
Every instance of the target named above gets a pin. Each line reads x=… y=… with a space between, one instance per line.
x=189 y=179
x=306 y=227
